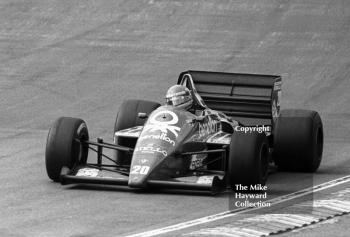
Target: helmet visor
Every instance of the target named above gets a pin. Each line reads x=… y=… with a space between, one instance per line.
x=177 y=100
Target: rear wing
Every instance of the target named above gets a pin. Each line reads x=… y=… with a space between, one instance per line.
x=252 y=99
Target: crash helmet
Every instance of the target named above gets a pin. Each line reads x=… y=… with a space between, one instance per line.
x=179 y=96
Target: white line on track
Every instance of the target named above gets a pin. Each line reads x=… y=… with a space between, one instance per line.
x=227 y=214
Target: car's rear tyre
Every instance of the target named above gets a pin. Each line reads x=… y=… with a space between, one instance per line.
x=298 y=141
x=127 y=117
x=62 y=147
x=248 y=159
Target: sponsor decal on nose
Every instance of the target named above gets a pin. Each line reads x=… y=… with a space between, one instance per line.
x=163 y=136
x=163 y=121
x=150 y=148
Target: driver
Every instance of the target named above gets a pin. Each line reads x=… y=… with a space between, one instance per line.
x=180 y=97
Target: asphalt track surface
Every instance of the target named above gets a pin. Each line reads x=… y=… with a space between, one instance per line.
x=82 y=58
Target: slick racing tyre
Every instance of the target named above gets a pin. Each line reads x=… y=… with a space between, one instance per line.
x=298 y=141
x=127 y=117
x=248 y=159
x=62 y=147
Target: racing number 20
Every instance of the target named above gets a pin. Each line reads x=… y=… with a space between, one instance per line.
x=139 y=169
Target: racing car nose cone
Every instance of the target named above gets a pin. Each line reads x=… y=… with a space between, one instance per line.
x=137 y=181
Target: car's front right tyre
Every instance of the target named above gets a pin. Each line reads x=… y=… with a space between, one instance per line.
x=63 y=148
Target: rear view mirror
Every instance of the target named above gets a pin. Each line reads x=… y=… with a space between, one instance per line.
x=196 y=119
x=142 y=115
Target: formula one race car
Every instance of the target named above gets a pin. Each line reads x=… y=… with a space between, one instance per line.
x=235 y=132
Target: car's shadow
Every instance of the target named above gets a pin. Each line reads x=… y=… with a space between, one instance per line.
x=108 y=188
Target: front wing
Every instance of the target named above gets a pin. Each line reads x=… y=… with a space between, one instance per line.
x=93 y=175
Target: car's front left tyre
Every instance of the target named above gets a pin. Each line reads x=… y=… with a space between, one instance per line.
x=248 y=159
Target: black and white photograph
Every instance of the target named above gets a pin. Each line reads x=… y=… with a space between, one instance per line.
x=189 y=118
